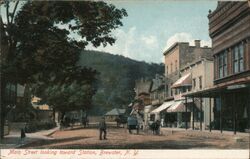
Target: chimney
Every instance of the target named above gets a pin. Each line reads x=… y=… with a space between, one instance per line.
x=197 y=43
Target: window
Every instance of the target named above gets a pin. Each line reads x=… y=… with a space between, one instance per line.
x=175 y=65
x=167 y=70
x=152 y=117
x=166 y=91
x=200 y=81
x=176 y=92
x=194 y=83
x=222 y=64
x=171 y=91
x=171 y=69
x=238 y=56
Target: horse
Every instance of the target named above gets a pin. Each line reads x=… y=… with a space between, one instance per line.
x=155 y=127
x=121 y=120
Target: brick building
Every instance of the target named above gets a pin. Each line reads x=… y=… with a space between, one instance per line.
x=178 y=56
x=229 y=29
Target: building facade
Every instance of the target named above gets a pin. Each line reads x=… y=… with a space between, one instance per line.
x=200 y=77
x=157 y=96
x=177 y=58
x=229 y=28
x=179 y=55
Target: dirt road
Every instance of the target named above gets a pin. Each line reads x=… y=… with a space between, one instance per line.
x=119 y=138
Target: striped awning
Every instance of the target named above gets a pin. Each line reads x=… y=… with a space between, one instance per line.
x=178 y=106
x=183 y=81
x=164 y=106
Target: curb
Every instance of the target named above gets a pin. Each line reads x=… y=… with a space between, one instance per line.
x=56 y=129
x=51 y=133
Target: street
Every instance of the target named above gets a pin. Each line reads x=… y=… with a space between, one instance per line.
x=119 y=138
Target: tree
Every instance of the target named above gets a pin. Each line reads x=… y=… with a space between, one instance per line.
x=74 y=91
x=38 y=49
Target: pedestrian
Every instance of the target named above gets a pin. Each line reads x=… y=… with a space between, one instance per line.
x=157 y=127
x=162 y=122
x=102 y=128
x=22 y=135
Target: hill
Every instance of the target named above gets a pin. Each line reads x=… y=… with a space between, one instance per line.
x=116 y=79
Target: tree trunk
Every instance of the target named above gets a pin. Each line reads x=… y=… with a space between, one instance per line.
x=62 y=116
x=54 y=115
x=2 y=108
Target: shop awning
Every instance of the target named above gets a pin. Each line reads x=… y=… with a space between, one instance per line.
x=177 y=106
x=164 y=106
x=183 y=81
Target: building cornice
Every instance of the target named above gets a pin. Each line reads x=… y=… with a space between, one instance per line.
x=194 y=63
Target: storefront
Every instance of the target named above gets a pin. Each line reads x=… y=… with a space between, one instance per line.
x=231 y=106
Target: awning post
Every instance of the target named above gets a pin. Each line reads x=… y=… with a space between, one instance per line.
x=234 y=114
x=221 y=104
x=200 y=114
x=186 y=112
x=210 y=126
x=193 y=113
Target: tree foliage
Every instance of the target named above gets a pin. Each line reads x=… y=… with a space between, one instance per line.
x=74 y=92
x=38 y=45
x=40 y=51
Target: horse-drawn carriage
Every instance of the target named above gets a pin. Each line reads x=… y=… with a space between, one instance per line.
x=121 y=120
x=133 y=124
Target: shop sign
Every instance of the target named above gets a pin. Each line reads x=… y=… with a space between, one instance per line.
x=238 y=86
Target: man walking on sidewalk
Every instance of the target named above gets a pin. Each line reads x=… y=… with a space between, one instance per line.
x=22 y=136
x=102 y=128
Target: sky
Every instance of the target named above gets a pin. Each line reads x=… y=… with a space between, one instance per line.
x=153 y=26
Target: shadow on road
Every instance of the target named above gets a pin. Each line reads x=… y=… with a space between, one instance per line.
x=145 y=145
x=42 y=142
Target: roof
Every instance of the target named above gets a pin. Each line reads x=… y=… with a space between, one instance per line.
x=157 y=83
x=42 y=107
x=173 y=46
x=164 y=106
x=183 y=81
x=116 y=111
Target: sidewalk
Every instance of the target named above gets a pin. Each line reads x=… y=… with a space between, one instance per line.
x=204 y=132
x=13 y=140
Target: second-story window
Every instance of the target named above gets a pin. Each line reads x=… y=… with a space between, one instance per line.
x=194 y=83
x=200 y=82
x=238 y=62
x=171 y=69
x=167 y=70
x=175 y=65
x=222 y=64
x=166 y=92
x=171 y=90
